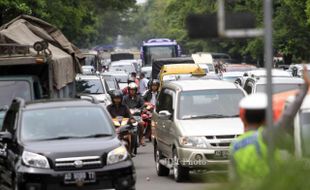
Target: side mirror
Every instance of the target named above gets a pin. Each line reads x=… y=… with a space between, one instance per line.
x=165 y=115
x=5 y=137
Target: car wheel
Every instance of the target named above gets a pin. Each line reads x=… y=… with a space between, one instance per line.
x=160 y=169
x=180 y=173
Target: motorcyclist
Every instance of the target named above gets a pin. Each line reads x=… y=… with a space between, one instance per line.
x=151 y=94
x=134 y=101
x=249 y=153
x=117 y=108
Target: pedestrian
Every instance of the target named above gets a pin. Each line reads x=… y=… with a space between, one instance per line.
x=143 y=84
x=249 y=153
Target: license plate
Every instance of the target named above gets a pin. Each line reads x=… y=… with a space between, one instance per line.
x=223 y=154
x=80 y=177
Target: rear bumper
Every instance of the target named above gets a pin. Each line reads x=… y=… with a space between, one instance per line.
x=117 y=176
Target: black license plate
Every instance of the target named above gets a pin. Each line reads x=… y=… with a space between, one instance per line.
x=223 y=154
x=80 y=177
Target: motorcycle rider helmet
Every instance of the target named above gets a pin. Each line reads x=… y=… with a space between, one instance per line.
x=133 y=86
x=116 y=94
x=155 y=82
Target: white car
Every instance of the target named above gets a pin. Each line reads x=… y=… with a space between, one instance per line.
x=194 y=123
x=88 y=70
x=127 y=66
x=93 y=85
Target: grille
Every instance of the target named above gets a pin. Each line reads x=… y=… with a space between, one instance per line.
x=78 y=163
x=213 y=157
x=220 y=144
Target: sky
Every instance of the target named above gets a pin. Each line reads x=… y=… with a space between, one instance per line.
x=141 y=1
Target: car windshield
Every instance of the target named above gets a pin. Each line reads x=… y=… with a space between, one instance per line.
x=71 y=122
x=111 y=84
x=213 y=103
x=90 y=86
x=155 y=52
x=11 y=89
x=90 y=60
x=305 y=132
x=277 y=88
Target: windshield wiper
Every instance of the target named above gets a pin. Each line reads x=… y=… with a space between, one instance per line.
x=204 y=116
x=97 y=135
x=76 y=137
x=58 y=138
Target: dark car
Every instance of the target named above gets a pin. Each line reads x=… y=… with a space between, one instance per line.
x=62 y=144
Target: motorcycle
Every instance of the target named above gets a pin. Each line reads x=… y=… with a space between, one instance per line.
x=136 y=114
x=126 y=130
x=146 y=116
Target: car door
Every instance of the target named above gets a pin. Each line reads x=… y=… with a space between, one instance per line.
x=168 y=127
x=164 y=126
x=158 y=123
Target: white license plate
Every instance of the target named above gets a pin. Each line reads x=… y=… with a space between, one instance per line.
x=224 y=154
x=80 y=177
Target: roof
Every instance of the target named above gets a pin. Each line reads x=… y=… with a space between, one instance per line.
x=282 y=80
x=87 y=77
x=233 y=74
x=26 y=30
x=54 y=103
x=159 y=42
x=190 y=85
x=123 y=62
x=275 y=72
x=181 y=69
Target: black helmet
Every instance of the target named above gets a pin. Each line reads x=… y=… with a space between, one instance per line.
x=116 y=94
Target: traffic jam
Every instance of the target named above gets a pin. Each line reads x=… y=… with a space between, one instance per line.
x=89 y=118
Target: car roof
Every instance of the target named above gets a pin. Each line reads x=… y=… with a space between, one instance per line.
x=55 y=103
x=87 y=77
x=191 y=85
x=262 y=72
x=281 y=80
x=233 y=74
x=124 y=62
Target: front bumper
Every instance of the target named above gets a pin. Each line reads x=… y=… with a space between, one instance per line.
x=202 y=158
x=117 y=176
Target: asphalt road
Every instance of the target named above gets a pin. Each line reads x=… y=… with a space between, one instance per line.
x=145 y=168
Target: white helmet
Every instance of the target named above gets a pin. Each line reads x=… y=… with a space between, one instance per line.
x=257 y=101
x=132 y=85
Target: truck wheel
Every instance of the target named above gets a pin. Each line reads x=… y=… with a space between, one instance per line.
x=180 y=173
x=160 y=169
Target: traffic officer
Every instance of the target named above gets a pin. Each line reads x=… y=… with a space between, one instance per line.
x=249 y=153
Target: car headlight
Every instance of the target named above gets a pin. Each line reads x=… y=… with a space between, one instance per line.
x=194 y=142
x=117 y=155
x=35 y=160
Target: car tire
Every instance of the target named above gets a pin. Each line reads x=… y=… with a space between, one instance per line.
x=160 y=169
x=180 y=173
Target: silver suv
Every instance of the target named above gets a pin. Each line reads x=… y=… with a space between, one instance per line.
x=194 y=123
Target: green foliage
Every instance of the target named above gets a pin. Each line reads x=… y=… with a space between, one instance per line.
x=84 y=22
x=166 y=18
